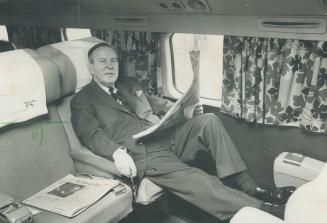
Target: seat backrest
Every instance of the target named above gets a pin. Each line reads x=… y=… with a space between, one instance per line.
x=35 y=153
x=67 y=56
x=71 y=59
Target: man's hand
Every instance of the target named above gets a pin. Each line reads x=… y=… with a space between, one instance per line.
x=198 y=109
x=124 y=163
x=193 y=110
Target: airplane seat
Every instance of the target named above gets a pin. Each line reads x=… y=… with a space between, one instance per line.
x=251 y=215
x=30 y=158
x=307 y=204
x=35 y=153
x=71 y=59
x=83 y=157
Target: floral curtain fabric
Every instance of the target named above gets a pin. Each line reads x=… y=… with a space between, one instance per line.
x=139 y=54
x=276 y=81
x=32 y=37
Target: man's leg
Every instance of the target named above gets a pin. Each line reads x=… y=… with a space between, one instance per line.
x=207 y=133
x=195 y=186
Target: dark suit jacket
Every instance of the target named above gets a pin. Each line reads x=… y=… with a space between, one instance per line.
x=103 y=125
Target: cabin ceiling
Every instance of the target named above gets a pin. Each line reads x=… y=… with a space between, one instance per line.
x=156 y=7
x=217 y=16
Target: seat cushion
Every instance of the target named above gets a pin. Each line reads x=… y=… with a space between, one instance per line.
x=253 y=215
x=309 y=202
x=148 y=192
x=33 y=155
x=110 y=208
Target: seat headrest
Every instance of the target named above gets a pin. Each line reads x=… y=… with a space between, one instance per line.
x=27 y=82
x=66 y=67
x=71 y=59
x=51 y=74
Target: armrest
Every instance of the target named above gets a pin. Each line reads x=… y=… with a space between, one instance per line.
x=89 y=159
x=250 y=215
x=148 y=192
x=88 y=162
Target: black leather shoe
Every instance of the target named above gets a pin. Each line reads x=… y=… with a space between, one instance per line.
x=279 y=195
x=277 y=210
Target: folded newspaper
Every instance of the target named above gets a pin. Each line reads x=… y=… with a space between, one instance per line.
x=71 y=195
x=183 y=107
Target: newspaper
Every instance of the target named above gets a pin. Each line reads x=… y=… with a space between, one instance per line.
x=183 y=107
x=71 y=195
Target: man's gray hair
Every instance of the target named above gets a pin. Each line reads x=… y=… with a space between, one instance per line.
x=96 y=46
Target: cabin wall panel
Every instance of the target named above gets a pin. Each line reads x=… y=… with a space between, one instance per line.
x=260 y=144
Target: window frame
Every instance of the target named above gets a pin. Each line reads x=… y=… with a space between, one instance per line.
x=168 y=71
x=64 y=35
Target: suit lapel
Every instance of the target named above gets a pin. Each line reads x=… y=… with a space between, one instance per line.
x=128 y=93
x=136 y=99
x=106 y=98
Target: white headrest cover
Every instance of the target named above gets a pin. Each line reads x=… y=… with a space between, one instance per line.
x=24 y=78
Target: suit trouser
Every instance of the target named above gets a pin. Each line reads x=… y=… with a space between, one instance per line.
x=165 y=166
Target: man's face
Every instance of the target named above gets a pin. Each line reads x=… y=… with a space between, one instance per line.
x=104 y=66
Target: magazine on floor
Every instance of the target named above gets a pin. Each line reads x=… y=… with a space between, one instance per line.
x=183 y=108
x=71 y=195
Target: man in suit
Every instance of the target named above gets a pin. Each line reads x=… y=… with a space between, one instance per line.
x=106 y=114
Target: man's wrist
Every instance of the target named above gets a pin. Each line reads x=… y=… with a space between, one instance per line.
x=120 y=150
x=117 y=152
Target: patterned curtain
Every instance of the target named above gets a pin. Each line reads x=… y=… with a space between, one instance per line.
x=139 y=54
x=276 y=81
x=32 y=37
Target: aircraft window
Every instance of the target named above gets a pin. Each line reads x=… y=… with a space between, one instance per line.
x=73 y=33
x=211 y=62
x=3 y=33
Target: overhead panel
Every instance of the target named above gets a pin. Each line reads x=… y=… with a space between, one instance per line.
x=292 y=24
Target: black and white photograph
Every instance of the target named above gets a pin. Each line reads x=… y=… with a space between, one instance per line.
x=163 y=111
x=66 y=189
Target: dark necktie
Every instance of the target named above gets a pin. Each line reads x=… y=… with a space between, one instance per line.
x=115 y=95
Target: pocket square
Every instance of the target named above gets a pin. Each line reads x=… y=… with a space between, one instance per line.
x=138 y=93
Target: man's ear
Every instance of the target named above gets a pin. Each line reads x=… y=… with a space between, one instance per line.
x=91 y=68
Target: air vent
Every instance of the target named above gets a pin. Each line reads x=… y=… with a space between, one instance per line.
x=292 y=25
x=130 y=20
x=182 y=5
